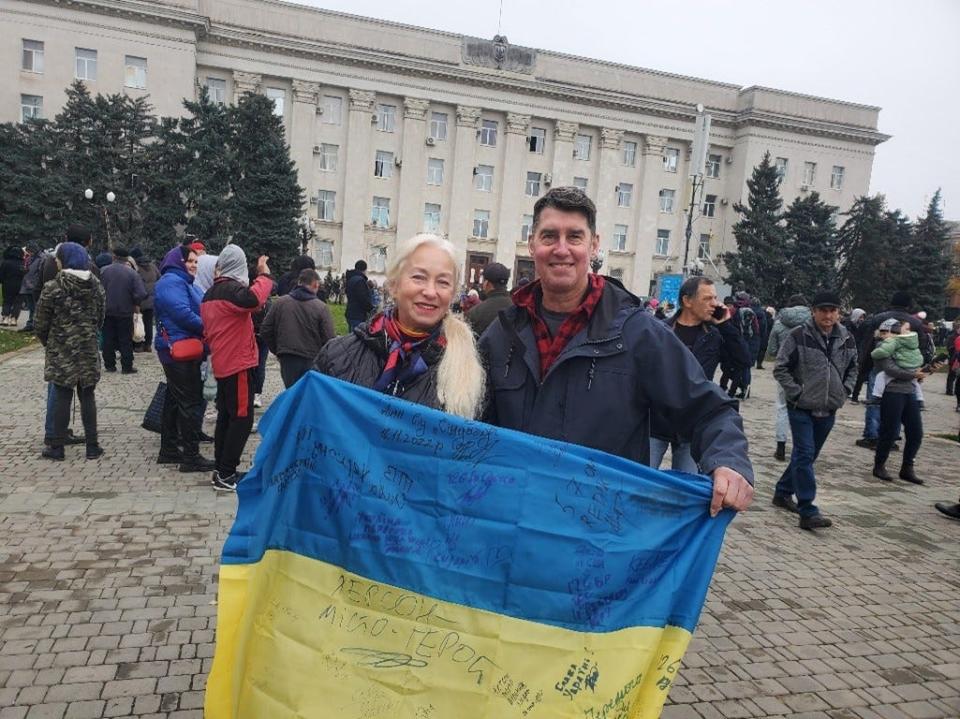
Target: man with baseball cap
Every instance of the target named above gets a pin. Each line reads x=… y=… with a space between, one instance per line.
x=817 y=368
x=496 y=297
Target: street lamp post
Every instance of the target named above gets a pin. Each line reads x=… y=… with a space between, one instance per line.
x=306 y=232
x=110 y=197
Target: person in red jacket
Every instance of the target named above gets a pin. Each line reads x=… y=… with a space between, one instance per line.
x=227 y=311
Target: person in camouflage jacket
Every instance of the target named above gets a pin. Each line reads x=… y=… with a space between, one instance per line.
x=68 y=316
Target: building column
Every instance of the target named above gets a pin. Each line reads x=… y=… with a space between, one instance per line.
x=413 y=169
x=245 y=82
x=303 y=121
x=564 y=134
x=513 y=199
x=648 y=211
x=356 y=196
x=605 y=196
x=461 y=210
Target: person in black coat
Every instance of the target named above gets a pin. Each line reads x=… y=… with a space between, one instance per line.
x=359 y=297
x=12 y=271
x=288 y=280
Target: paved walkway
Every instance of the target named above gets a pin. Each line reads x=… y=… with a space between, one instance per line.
x=108 y=577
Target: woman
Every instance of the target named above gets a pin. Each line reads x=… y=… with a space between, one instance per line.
x=417 y=349
x=177 y=308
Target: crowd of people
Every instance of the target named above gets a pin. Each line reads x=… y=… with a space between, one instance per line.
x=557 y=357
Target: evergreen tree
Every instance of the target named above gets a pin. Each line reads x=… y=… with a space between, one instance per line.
x=927 y=260
x=811 y=251
x=871 y=259
x=759 y=265
x=163 y=211
x=76 y=157
x=267 y=200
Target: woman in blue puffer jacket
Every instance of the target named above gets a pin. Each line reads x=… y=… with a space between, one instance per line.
x=177 y=310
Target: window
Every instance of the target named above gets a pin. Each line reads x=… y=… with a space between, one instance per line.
x=332 y=110
x=326 y=204
x=488 y=133
x=580 y=182
x=526 y=226
x=386 y=118
x=629 y=154
x=709 y=205
x=135 y=72
x=438 y=125
x=713 y=165
x=662 y=247
x=383 y=164
x=279 y=96
x=216 y=90
x=32 y=56
x=624 y=194
x=537 y=139
x=329 y=155
x=434 y=171
x=809 y=173
x=620 y=238
x=86 y=64
x=836 y=178
x=581 y=147
x=31 y=106
x=781 y=165
x=617 y=273
x=378 y=259
x=325 y=253
x=671 y=158
x=431 y=218
x=533 y=184
x=483 y=178
x=703 y=250
x=380 y=216
x=666 y=200
x=481 y=223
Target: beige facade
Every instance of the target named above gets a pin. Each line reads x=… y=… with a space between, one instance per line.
x=363 y=100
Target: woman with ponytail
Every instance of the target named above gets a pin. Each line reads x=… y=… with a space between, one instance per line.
x=417 y=349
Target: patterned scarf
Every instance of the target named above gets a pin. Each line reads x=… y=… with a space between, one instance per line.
x=551 y=347
x=404 y=359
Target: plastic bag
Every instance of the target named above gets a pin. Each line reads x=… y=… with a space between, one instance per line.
x=139 y=331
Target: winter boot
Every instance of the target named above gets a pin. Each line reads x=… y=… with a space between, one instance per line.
x=880 y=472
x=781 y=453
x=908 y=475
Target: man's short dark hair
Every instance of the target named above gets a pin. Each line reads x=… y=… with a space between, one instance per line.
x=79 y=234
x=308 y=277
x=567 y=199
x=691 y=286
x=360 y=266
x=120 y=251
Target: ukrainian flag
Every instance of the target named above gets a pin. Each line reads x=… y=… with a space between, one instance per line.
x=389 y=560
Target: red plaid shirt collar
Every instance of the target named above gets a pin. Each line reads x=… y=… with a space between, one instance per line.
x=549 y=347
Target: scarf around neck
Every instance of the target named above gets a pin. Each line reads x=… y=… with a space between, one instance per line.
x=404 y=351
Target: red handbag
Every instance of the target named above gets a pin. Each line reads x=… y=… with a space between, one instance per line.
x=185 y=350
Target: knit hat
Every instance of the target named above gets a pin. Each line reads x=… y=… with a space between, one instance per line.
x=232 y=263
x=197 y=246
x=891 y=325
x=73 y=256
x=901 y=299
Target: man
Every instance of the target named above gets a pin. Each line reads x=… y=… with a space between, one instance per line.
x=816 y=366
x=578 y=359
x=702 y=325
x=150 y=275
x=359 y=297
x=125 y=292
x=855 y=325
x=496 y=298
x=796 y=313
x=297 y=326
x=226 y=311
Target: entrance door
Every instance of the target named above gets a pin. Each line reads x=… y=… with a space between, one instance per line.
x=523 y=269
x=476 y=261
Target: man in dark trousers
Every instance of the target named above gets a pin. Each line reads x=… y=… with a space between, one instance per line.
x=359 y=297
x=496 y=298
x=125 y=292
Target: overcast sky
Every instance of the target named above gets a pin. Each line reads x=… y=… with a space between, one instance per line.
x=902 y=55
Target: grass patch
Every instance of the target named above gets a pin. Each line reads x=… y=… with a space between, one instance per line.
x=10 y=341
x=339 y=318
x=951 y=437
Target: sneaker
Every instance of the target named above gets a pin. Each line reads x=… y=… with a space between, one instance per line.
x=224 y=484
x=815 y=521
x=94 y=451
x=129 y=370
x=54 y=453
x=169 y=457
x=196 y=464
x=257 y=402
x=866 y=443
x=785 y=502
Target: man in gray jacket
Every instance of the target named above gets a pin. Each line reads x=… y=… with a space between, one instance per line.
x=817 y=368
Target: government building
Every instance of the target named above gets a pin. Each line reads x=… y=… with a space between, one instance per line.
x=398 y=129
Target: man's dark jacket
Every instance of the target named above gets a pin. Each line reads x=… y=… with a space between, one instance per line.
x=718 y=343
x=359 y=299
x=602 y=387
x=124 y=289
x=480 y=317
x=298 y=323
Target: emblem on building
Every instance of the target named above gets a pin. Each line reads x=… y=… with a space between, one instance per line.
x=499 y=54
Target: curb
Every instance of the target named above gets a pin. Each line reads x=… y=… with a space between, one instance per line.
x=16 y=353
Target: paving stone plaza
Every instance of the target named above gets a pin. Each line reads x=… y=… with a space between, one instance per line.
x=108 y=575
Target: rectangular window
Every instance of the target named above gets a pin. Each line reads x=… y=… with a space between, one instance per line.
x=662 y=248
x=629 y=153
x=217 y=90
x=380 y=215
x=32 y=56
x=135 y=72
x=537 y=139
x=378 y=259
x=279 y=96
x=580 y=182
x=809 y=173
x=836 y=178
x=324 y=253
x=533 y=184
x=709 y=205
x=332 y=110
x=31 y=106
x=483 y=178
x=434 y=171
x=703 y=250
x=781 y=165
x=438 y=125
x=488 y=133
x=431 y=218
x=329 y=157
x=666 y=200
x=671 y=158
x=386 y=118
x=617 y=273
x=713 y=165
x=581 y=147
x=620 y=238
x=624 y=194
x=326 y=205
x=86 y=64
x=481 y=223
x=526 y=226
x=383 y=164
